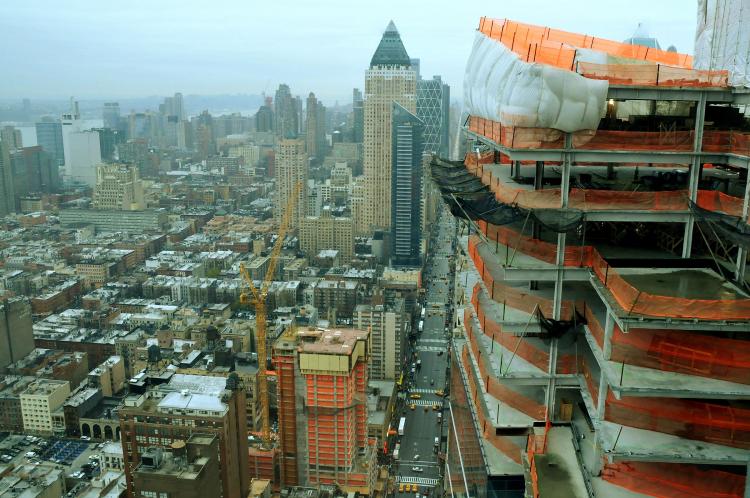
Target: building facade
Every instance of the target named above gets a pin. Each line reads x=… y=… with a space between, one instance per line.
x=38 y=403
x=82 y=156
x=389 y=79
x=406 y=188
x=327 y=232
x=387 y=333
x=16 y=335
x=118 y=187
x=49 y=136
x=291 y=172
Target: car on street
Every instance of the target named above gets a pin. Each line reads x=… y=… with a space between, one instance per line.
x=412 y=406
x=417 y=469
x=440 y=392
x=415 y=396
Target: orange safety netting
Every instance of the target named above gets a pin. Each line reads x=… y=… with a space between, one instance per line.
x=674 y=480
x=506 y=445
x=669 y=141
x=652 y=74
x=592 y=382
x=683 y=352
x=692 y=419
x=574 y=256
x=512 y=296
x=521 y=346
x=636 y=301
x=631 y=299
x=522 y=36
x=492 y=385
x=558 y=48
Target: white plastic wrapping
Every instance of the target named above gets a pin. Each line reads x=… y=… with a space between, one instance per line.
x=722 y=39
x=499 y=86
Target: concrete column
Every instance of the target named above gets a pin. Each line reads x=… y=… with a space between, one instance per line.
x=695 y=169
x=559 y=261
x=609 y=327
x=602 y=398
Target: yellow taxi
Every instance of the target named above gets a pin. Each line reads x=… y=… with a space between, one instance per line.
x=401 y=487
x=440 y=392
x=415 y=396
x=412 y=406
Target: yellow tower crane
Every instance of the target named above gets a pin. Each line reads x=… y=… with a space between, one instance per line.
x=258 y=298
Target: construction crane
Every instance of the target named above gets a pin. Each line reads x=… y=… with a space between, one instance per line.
x=258 y=298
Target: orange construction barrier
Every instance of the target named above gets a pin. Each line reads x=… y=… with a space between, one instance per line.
x=693 y=419
x=494 y=387
x=669 y=141
x=674 y=480
x=558 y=48
x=592 y=382
x=683 y=352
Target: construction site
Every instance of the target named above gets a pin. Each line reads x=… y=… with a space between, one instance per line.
x=602 y=350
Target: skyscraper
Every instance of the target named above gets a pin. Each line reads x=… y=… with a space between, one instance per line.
x=285 y=113
x=71 y=123
x=82 y=156
x=389 y=79
x=111 y=115
x=264 y=116
x=358 y=116
x=7 y=192
x=16 y=337
x=49 y=136
x=291 y=169
x=433 y=104
x=322 y=400
x=406 y=191
x=312 y=127
x=11 y=136
x=34 y=171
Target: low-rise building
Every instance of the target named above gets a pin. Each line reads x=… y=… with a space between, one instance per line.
x=39 y=401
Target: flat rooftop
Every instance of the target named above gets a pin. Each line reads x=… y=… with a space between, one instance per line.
x=331 y=341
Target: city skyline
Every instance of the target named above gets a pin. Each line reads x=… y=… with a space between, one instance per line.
x=99 y=51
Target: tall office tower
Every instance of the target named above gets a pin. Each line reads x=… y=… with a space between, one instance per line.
x=291 y=168
x=16 y=336
x=387 y=326
x=7 y=192
x=321 y=131
x=108 y=140
x=433 y=106
x=34 y=171
x=82 y=156
x=300 y=110
x=264 y=116
x=71 y=123
x=49 y=136
x=111 y=115
x=311 y=127
x=178 y=107
x=406 y=191
x=358 y=116
x=415 y=65
x=285 y=113
x=389 y=79
x=187 y=405
x=322 y=396
x=118 y=186
x=11 y=136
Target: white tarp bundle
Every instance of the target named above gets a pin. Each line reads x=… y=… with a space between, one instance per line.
x=722 y=39
x=499 y=86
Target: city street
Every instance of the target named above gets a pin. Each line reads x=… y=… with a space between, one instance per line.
x=418 y=463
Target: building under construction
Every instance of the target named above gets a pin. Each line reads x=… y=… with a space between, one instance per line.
x=322 y=399
x=601 y=346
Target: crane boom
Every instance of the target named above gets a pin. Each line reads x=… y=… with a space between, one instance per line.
x=259 y=299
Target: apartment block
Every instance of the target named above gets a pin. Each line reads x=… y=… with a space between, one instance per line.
x=387 y=328
x=38 y=403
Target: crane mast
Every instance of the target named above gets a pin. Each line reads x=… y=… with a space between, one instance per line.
x=258 y=298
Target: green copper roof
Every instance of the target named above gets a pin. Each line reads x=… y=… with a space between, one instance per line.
x=390 y=51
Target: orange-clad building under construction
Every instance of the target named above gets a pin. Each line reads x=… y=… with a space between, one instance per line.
x=601 y=340
x=322 y=400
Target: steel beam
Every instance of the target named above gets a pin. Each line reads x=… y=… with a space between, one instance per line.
x=695 y=169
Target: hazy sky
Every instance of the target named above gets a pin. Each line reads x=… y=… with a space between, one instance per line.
x=97 y=49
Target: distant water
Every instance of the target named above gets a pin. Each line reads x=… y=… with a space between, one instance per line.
x=28 y=133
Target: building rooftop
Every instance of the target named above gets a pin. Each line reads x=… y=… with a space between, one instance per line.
x=390 y=51
x=330 y=341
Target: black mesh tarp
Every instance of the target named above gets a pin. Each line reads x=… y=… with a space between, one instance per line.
x=469 y=198
x=731 y=228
